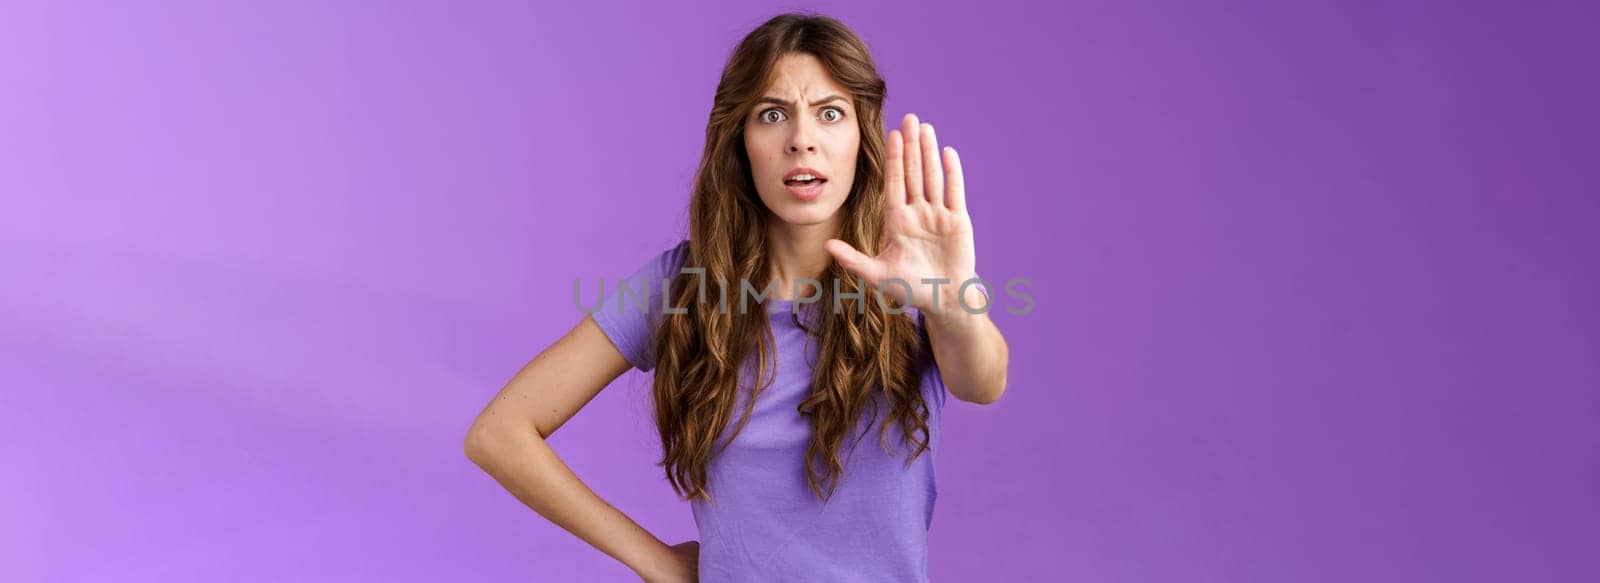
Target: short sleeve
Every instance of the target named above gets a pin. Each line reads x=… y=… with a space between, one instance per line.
x=630 y=311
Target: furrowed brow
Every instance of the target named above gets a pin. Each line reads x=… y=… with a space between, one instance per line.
x=787 y=103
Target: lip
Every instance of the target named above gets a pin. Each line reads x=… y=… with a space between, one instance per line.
x=805 y=193
x=804 y=170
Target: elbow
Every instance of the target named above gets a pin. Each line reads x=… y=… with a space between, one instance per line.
x=475 y=446
x=991 y=384
x=992 y=393
x=480 y=444
x=981 y=395
x=991 y=397
x=999 y=385
x=488 y=441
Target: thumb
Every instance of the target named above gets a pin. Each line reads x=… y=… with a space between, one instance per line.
x=853 y=260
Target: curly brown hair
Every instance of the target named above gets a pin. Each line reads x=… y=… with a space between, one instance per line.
x=701 y=352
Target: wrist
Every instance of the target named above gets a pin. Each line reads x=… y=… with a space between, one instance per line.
x=657 y=563
x=957 y=299
x=955 y=319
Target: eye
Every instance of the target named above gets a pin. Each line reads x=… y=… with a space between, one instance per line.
x=838 y=114
x=771 y=116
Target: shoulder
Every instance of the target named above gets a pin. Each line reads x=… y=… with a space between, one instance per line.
x=664 y=263
x=627 y=313
x=671 y=260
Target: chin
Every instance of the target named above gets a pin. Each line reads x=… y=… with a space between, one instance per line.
x=801 y=215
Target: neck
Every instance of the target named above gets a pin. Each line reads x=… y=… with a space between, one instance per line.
x=796 y=252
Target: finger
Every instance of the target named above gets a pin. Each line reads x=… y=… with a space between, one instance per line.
x=854 y=261
x=956 y=185
x=932 y=170
x=894 y=172
x=913 y=159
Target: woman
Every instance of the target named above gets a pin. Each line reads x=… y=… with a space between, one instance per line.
x=799 y=194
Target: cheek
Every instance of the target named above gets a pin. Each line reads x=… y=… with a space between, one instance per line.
x=848 y=148
x=763 y=156
x=849 y=157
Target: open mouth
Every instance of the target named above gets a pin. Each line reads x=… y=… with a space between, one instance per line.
x=804 y=182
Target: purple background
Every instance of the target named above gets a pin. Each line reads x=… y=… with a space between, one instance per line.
x=1315 y=281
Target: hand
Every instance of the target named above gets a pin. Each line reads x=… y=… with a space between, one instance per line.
x=686 y=569
x=927 y=233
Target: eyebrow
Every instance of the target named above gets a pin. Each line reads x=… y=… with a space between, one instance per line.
x=787 y=103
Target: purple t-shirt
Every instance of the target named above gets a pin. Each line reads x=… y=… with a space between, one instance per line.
x=765 y=523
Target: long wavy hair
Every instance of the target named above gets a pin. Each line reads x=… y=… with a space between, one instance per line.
x=700 y=354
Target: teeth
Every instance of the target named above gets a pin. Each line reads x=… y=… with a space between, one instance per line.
x=802 y=177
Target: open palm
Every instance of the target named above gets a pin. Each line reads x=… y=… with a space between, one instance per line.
x=927 y=233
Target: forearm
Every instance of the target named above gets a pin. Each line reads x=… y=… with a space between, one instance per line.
x=969 y=348
x=526 y=465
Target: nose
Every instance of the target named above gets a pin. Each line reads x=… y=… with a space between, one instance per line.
x=801 y=139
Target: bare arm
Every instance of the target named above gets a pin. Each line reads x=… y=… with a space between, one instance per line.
x=971 y=352
x=927 y=235
x=508 y=440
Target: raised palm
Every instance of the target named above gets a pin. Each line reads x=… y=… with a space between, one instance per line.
x=927 y=233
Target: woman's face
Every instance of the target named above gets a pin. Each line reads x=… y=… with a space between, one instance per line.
x=804 y=123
